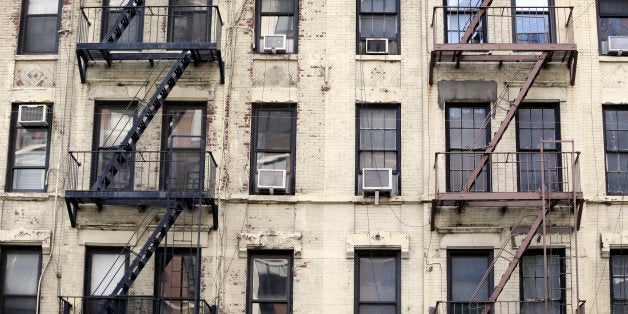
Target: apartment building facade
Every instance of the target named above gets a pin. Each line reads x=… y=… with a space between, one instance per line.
x=322 y=156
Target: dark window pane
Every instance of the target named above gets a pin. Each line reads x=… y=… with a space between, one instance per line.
x=274 y=129
x=390 y=5
x=377 y=309
x=185 y=171
x=466 y=274
x=377 y=279
x=40 y=34
x=15 y=305
x=277 y=5
x=366 y=6
x=613 y=7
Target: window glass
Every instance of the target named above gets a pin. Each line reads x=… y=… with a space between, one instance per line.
x=107 y=270
x=20 y=272
x=465 y=271
x=377 y=281
x=277 y=18
x=31 y=147
x=270 y=283
x=612 y=21
x=616 y=147
x=459 y=15
x=38 y=33
x=533 y=283
x=188 y=21
x=184 y=147
x=113 y=123
x=273 y=139
x=378 y=19
x=378 y=131
x=133 y=32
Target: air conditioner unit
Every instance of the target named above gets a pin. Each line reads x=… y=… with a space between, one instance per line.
x=618 y=45
x=275 y=43
x=271 y=179
x=377 y=45
x=376 y=179
x=32 y=115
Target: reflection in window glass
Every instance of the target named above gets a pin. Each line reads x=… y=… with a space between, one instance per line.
x=270 y=283
x=184 y=147
x=176 y=282
x=113 y=122
x=188 y=21
x=378 y=276
x=465 y=272
x=133 y=32
x=612 y=21
x=619 y=282
x=459 y=15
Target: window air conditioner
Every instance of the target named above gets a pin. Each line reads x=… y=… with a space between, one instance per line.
x=377 y=45
x=275 y=43
x=271 y=179
x=618 y=45
x=32 y=115
x=376 y=179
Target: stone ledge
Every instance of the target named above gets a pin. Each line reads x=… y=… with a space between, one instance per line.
x=378 y=240
x=269 y=240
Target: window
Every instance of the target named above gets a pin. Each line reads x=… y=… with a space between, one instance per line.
x=113 y=121
x=184 y=146
x=378 y=19
x=378 y=139
x=619 y=282
x=534 y=124
x=616 y=148
x=612 y=21
x=465 y=270
x=21 y=268
x=188 y=21
x=533 y=21
x=105 y=267
x=39 y=26
x=28 y=153
x=277 y=20
x=377 y=282
x=459 y=16
x=113 y=9
x=269 y=285
x=175 y=280
x=533 y=282
x=272 y=155
x=468 y=133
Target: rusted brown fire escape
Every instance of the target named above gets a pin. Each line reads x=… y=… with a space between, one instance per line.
x=541 y=54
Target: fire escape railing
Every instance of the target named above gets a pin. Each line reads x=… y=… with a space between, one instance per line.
x=132 y=304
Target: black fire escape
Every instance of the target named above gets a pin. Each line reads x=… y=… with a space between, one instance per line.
x=180 y=34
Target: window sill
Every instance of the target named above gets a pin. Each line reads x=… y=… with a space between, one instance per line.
x=613 y=58
x=268 y=56
x=25 y=196
x=51 y=57
x=272 y=198
x=378 y=57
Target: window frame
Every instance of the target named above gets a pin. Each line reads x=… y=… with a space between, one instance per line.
x=3 y=263
x=108 y=9
x=476 y=152
x=96 y=145
x=24 y=16
x=165 y=134
x=358 y=150
x=290 y=176
x=11 y=153
x=557 y=146
x=487 y=253
x=258 y=26
x=560 y=253
x=362 y=39
x=612 y=300
x=482 y=27
x=273 y=254
x=369 y=253
x=599 y=16
x=619 y=152
x=551 y=20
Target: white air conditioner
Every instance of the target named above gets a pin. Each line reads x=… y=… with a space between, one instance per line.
x=377 y=45
x=271 y=179
x=32 y=115
x=618 y=45
x=275 y=43
x=377 y=179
